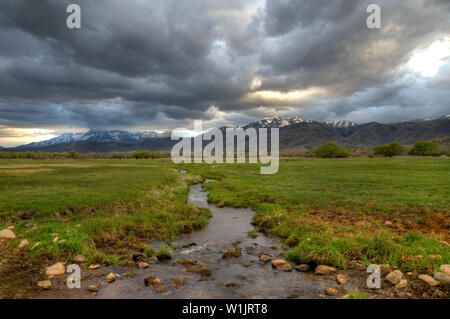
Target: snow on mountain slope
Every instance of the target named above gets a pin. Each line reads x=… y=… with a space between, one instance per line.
x=276 y=121
x=341 y=124
x=101 y=137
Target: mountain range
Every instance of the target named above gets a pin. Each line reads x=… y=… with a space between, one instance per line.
x=115 y=136
x=295 y=132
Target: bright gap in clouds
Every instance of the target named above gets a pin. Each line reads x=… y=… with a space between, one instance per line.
x=18 y=136
x=428 y=61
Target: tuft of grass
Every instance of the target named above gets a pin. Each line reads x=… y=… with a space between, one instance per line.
x=163 y=253
x=201 y=270
x=232 y=253
x=356 y=295
x=149 y=252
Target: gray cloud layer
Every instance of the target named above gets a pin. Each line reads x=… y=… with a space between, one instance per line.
x=163 y=63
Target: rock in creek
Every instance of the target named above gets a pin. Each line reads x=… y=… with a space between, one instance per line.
x=331 y=291
x=341 y=279
x=265 y=258
x=110 y=278
x=281 y=265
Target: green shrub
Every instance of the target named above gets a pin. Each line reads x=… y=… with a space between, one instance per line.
x=424 y=148
x=331 y=150
x=388 y=150
x=142 y=154
x=72 y=154
x=156 y=155
x=356 y=295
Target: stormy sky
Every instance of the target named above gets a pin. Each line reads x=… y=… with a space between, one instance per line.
x=160 y=64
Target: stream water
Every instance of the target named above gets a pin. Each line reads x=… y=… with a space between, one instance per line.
x=232 y=277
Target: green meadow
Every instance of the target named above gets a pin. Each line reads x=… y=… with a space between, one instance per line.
x=103 y=209
x=331 y=211
x=334 y=211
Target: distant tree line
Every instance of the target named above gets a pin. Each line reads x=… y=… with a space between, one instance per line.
x=327 y=150
x=421 y=148
x=333 y=150
x=92 y=155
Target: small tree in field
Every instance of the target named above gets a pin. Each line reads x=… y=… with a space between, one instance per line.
x=331 y=150
x=425 y=149
x=388 y=150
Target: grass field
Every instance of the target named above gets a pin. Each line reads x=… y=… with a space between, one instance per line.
x=333 y=211
x=390 y=211
x=99 y=208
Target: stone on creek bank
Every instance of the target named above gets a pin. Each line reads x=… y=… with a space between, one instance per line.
x=23 y=244
x=429 y=280
x=57 y=269
x=324 y=270
x=79 y=259
x=442 y=277
x=94 y=266
x=445 y=269
x=45 y=284
x=402 y=284
x=7 y=234
x=394 y=277
x=303 y=268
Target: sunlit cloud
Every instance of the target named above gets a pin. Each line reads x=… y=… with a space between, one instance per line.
x=14 y=136
x=273 y=96
x=428 y=61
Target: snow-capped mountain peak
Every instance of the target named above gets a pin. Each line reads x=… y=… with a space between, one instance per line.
x=117 y=136
x=341 y=124
x=275 y=121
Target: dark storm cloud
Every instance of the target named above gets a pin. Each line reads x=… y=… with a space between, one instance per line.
x=144 y=62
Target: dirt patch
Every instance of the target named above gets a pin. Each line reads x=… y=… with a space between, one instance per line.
x=121 y=165
x=436 y=225
x=19 y=274
x=112 y=242
x=24 y=171
x=32 y=165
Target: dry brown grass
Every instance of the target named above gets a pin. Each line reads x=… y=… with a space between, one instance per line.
x=24 y=171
